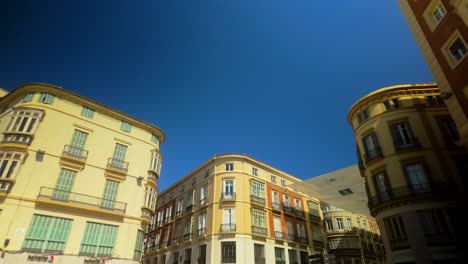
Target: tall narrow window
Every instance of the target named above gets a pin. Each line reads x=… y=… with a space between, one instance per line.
x=202 y=224
x=290 y=230
x=258 y=218
x=371 y=147
x=402 y=136
x=292 y=256
x=279 y=256
x=254 y=171
x=228 y=252
x=329 y=224
x=417 y=177
x=298 y=204
x=258 y=189
x=77 y=144
x=188 y=255
x=396 y=232
x=64 y=185
x=118 y=159
x=179 y=208
x=229 y=224
x=156 y=161
x=449 y=131
x=277 y=227
x=273 y=179
x=125 y=126
x=259 y=254
x=87 y=112
x=138 y=245
x=202 y=254
x=98 y=239
x=110 y=194
x=24 y=121
x=204 y=195
x=383 y=191
x=9 y=162
x=46 y=98
x=286 y=200
x=350 y=223
x=47 y=233
x=339 y=223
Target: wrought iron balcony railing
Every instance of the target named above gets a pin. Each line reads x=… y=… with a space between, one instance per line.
x=372 y=154
x=257 y=199
x=228 y=196
x=66 y=197
x=302 y=240
x=228 y=227
x=117 y=164
x=288 y=209
x=201 y=231
x=259 y=230
x=276 y=206
x=279 y=234
x=203 y=201
x=314 y=218
x=75 y=152
x=299 y=213
x=292 y=237
x=406 y=143
x=187 y=236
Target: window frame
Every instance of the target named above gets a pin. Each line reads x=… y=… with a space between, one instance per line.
x=451 y=60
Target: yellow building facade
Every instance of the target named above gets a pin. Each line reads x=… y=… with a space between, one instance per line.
x=413 y=171
x=234 y=209
x=78 y=180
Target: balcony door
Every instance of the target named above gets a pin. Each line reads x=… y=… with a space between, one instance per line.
x=381 y=186
x=417 y=177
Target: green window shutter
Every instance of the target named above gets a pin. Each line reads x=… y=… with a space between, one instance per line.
x=98 y=239
x=110 y=193
x=119 y=155
x=28 y=97
x=59 y=234
x=125 y=126
x=154 y=139
x=90 y=238
x=138 y=244
x=46 y=98
x=37 y=232
x=78 y=142
x=87 y=112
x=47 y=233
x=107 y=240
x=64 y=185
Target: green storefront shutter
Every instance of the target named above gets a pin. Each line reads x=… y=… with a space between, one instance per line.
x=37 y=232
x=47 y=233
x=99 y=239
x=64 y=185
x=90 y=238
x=108 y=236
x=59 y=235
x=78 y=142
x=110 y=194
x=138 y=245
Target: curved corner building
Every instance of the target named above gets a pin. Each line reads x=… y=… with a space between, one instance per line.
x=413 y=171
x=78 y=179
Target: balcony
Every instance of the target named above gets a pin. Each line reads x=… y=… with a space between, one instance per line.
x=225 y=196
x=302 y=240
x=258 y=200
x=20 y=138
x=178 y=213
x=190 y=208
x=117 y=165
x=372 y=154
x=288 y=209
x=259 y=230
x=315 y=218
x=204 y=201
x=146 y=214
x=408 y=192
x=175 y=240
x=299 y=213
x=187 y=236
x=228 y=228
x=81 y=201
x=279 y=234
x=75 y=152
x=276 y=206
x=292 y=237
x=201 y=231
x=406 y=143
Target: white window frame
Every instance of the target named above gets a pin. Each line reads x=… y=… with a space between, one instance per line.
x=452 y=61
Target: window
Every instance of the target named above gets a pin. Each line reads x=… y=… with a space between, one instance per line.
x=125 y=126
x=329 y=224
x=279 y=256
x=110 y=193
x=283 y=183
x=343 y=242
x=434 y=14
x=391 y=104
x=277 y=227
x=449 y=131
x=297 y=204
x=455 y=49
x=154 y=139
x=371 y=147
x=228 y=252
x=28 y=97
x=228 y=220
x=202 y=254
x=259 y=254
x=304 y=257
x=402 y=136
x=381 y=185
x=435 y=225
x=417 y=177
x=190 y=197
x=47 y=233
x=396 y=232
x=46 y=98
x=286 y=200
x=202 y=224
x=313 y=208
x=118 y=159
x=364 y=115
x=188 y=256
x=229 y=189
x=98 y=239
x=64 y=185
x=435 y=100
x=87 y=112
x=258 y=189
x=339 y=222
x=204 y=195
x=77 y=144
x=156 y=161
x=273 y=179
x=301 y=230
x=188 y=226
x=317 y=233
x=179 y=208
x=275 y=200
x=175 y=257
x=138 y=245
x=350 y=223
x=24 y=121
x=229 y=166
x=289 y=229
x=387 y=105
x=439 y=13
x=9 y=162
x=254 y=172
x=346 y=191
x=292 y=256
x=258 y=218
x=150 y=197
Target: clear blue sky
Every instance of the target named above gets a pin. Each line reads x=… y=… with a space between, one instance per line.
x=272 y=79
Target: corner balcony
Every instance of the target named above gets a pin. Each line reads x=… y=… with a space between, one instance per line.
x=258 y=200
x=373 y=154
x=227 y=228
x=259 y=230
x=116 y=169
x=146 y=214
x=410 y=192
x=228 y=196
x=80 y=201
x=276 y=206
x=21 y=139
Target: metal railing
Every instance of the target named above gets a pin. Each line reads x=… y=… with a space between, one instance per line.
x=81 y=199
x=299 y=213
x=259 y=230
x=201 y=231
x=228 y=196
x=187 y=236
x=372 y=154
x=276 y=206
x=228 y=227
x=395 y=194
x=302 y=240
x=314 y=218
x=190 y=208
x=75 y=152
x=117 y=164
x=203 y=201
x=178 y=213
x=292 y=237
x=411 y=142
x=279 y=234
x=257 y=199
x=288 y=209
